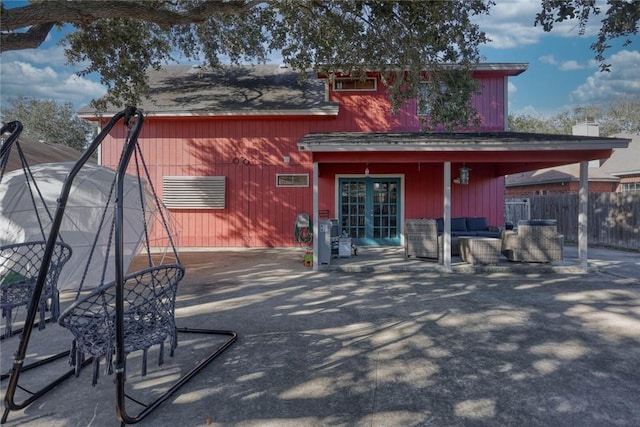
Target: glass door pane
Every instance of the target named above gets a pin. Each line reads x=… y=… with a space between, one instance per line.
x=353 y=195
x=369 y=210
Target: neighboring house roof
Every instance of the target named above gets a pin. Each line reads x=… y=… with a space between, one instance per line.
x=186 y=90
x=558 y=174
x=624 y=161
x=41 y=152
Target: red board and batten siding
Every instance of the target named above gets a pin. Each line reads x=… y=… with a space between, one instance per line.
x=250 y=151
x=424 y=189
x=370 y=111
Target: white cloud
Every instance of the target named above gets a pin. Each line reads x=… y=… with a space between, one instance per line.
x=511 y=24
x=571 y=65
x=531 y=110
x=52 y=56
x=622 y=80
x=18 y=78
x=511 y=88
x=548 y=59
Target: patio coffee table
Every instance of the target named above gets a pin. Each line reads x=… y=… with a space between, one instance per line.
x=480 y=250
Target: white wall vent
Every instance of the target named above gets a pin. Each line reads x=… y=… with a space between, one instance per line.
x=193 y=192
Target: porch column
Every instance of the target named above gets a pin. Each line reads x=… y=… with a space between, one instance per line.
x=315 y=216
x=446 y=234
x=583 y=214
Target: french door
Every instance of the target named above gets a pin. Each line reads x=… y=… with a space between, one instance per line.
x=369 y=210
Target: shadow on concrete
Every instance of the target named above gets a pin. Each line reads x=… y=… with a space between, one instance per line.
x=381 y=348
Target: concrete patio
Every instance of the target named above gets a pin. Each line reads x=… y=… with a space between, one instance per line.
x=377 y=340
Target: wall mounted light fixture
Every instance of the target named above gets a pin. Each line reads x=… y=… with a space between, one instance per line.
x=463 y=177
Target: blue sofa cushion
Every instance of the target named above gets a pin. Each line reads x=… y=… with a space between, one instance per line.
x=458 y=224
x=477 y=224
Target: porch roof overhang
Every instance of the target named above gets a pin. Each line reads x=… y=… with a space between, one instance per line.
x=510 y=152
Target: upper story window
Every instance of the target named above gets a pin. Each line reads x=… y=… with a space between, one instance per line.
x=423 y=106
x=354 y=84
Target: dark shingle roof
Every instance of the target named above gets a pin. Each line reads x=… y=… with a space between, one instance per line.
x=41 y=152
x=185 y=90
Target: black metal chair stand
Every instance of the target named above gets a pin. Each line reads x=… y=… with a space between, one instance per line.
x=131 y=313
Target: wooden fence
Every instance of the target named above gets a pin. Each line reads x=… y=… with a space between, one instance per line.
x=516 y=209
x=613 y=218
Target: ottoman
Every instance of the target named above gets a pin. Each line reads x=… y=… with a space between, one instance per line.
x=480 y=250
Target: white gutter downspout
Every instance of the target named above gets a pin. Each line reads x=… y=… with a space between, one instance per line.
x=583 y=213
x=446 y=233
x=316 y=217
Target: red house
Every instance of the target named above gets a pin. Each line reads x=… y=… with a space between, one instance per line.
x=238 y=153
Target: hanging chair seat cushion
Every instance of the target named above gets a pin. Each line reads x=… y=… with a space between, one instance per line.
x=148 y=316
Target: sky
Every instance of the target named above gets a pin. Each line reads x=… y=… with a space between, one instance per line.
x=561 y=74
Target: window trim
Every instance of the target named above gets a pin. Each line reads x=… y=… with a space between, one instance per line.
x=340 y=80
x=631 y=187
x=282 y=175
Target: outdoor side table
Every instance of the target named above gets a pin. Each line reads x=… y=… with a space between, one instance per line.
x=480 y=250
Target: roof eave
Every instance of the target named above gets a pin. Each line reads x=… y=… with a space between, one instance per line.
x=624 y=173
x=332 y=111
x=247 y=113
x=456 y=146
x=509 y=68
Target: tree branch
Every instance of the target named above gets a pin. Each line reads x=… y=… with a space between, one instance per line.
x=42 y=15
x=28 y=40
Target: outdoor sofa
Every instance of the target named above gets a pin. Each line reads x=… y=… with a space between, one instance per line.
x=424 y=237
x=467 y=226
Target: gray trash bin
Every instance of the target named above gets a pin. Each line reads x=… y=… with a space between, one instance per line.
x=324 y=241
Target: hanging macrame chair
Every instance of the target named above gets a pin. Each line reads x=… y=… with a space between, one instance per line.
x=20 y=264
x=20 y=261
x=149 y=309
x=135 y=310
x=147 y=296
